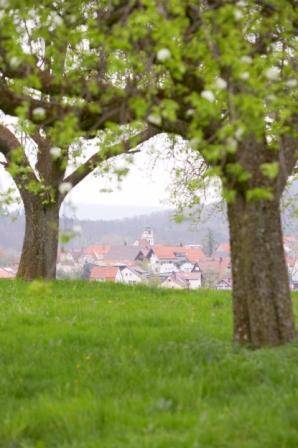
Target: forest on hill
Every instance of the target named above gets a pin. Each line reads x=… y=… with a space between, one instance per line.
x=210 y=223
x=127 y=230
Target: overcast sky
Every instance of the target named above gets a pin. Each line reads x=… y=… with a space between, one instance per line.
x=144 y=189
x=145 y=186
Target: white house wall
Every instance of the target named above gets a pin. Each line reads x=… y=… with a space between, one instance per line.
x=128 y=277
x=195 y=284
x=186 y=267
x=170 y=283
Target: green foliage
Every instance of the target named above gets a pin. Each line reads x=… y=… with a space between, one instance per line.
x=270 y=169
x=229 y=195
x=88 y=365
x=228 y=70
x=259 y=194
x=222 y=75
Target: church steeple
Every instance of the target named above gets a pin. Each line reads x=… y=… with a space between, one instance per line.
x=148 y=235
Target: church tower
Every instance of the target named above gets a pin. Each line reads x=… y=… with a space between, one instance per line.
x=148 y=236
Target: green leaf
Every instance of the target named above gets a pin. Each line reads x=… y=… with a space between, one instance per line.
x=229 y=195
x=259 y=194
x=270 y=169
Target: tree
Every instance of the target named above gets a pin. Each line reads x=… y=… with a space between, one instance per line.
x=219 y=74
x=226 y=72
x=62 y=78
x=209 y=243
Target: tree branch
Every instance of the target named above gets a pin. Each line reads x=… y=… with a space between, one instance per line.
x=9 y=143
x=120 y=148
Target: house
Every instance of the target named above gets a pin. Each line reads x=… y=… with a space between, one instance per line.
x=131 y=275
x=167 y=259
x=68 y=265
x=93 y=253
x=104 y=273
x=214 y=269
x=162 y=259
x=194 y=254
x=192 y=279
x=7 y=273
x=183 y=280
x=173 y=281
x=224 y=284
x=123 y=255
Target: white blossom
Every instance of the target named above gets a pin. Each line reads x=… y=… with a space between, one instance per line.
x=221 y=83
x=273 y=73
x=65 y=187
x=232 y=144
x=208 y=95
x=238 y=14
x=242 y=4
x=15 y=62
x=54 y=21
x=39 y=113
x=55 y=152
x=190 y=112
x=2 y=14
x=246 y=59
x=291 y=83
x=238 y=133
x=244 y=76
x=154 y=119
x=163 y=54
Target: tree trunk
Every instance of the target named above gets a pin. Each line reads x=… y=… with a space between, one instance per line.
x=263 y=314
x=40 y=247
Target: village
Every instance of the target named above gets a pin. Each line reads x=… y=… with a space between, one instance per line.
x=165 y=266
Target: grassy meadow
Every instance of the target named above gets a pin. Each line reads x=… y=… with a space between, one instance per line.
x=89 y=365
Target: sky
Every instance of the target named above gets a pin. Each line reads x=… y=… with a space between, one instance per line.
x=146 y=184
x=143 y=190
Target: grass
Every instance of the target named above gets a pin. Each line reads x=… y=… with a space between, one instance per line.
x=95 y=365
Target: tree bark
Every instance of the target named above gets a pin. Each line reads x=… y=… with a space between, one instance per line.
x=262 y=307
x=40 y=247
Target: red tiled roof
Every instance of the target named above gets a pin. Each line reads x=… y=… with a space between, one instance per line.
x=169 y=252
x=104 y=273
x=164 y=252
x=123 y=253
x=195 y=254
x=98 y=249
x=223 y=247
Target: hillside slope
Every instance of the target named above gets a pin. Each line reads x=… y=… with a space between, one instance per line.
x=91 y=365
